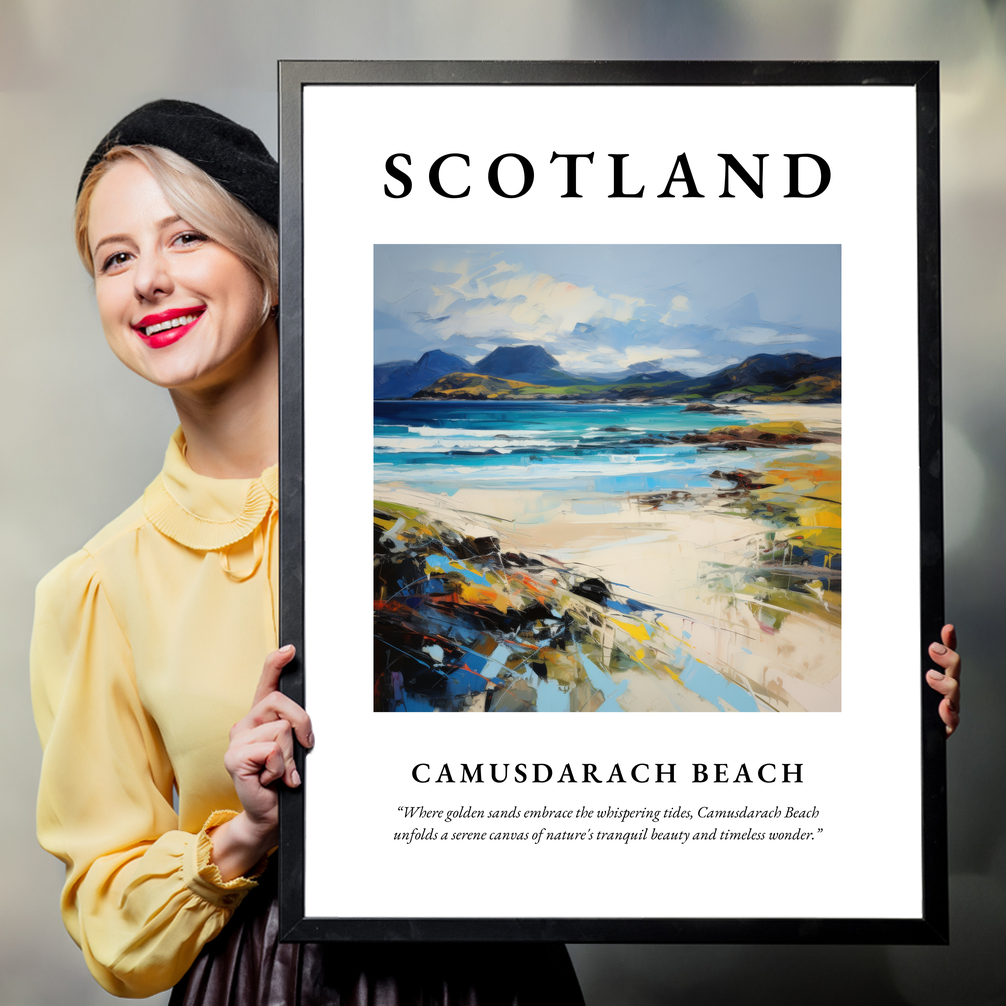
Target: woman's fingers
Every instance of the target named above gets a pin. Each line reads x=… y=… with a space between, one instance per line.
x=261 y=749
x=274 y=766
x=270 y=703
x=949 y=688
x=949 y=660
x=277 y=706
x=260 y=761
x=950 y=716
x=949 y=710
x=946 y=681
x=271 y=671
x=949 y=636
x=278 y=735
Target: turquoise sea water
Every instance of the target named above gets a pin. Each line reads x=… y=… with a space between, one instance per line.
x=593 y=447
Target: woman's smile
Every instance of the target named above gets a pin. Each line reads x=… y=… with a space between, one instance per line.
x=166 y=327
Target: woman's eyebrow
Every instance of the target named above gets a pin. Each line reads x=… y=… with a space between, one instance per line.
x=160 y=225
x=109 y=240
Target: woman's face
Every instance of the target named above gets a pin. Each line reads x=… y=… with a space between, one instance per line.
x=177 y=308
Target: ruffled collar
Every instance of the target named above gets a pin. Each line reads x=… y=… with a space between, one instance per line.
x=203 y=513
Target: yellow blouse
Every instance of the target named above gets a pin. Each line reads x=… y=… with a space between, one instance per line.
x=147 y=647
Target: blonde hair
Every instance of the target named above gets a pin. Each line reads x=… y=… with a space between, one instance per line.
x=199 y=200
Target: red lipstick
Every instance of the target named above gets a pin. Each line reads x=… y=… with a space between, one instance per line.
x=166 y=328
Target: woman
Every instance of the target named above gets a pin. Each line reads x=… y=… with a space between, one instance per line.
x=148 y=643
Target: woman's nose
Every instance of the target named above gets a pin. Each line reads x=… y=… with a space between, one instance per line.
x=152 y=277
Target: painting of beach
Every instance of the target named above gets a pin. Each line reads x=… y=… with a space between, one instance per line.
x=607 y=478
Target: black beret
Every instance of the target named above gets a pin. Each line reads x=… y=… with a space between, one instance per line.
x=231 y=154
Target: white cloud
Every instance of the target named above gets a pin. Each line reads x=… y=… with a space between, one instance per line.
x=680 y=305
x=753 y=335
x=502 y=297
x=599 y=357
x=609 y=359
x=643 y=353
x=629 y=304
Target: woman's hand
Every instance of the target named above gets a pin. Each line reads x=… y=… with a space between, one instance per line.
x=947 y=682
x=260 y=753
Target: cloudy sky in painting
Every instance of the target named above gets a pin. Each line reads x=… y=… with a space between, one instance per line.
x=600 y=308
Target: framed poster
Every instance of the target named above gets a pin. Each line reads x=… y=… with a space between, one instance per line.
x=599 y=352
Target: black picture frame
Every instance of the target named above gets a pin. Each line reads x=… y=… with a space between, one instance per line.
x=932 y=925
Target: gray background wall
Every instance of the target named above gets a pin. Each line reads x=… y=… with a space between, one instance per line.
x=82 y=436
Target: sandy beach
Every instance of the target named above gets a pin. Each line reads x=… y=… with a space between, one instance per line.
x=696 y=559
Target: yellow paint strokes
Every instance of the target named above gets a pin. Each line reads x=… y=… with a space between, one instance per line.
x=636 y=630
x=800 y=487
x=821 y=537
x=473 y=594
x=457 y=565
x=812 y=492
x=780 y=429
x=475 y=385
x=829 y=470
x=407 y=511
x=818 y=516
x=829 y=491
x=498 y=580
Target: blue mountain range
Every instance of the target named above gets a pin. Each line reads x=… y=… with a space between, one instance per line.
x=758 y=374
x=403 y=378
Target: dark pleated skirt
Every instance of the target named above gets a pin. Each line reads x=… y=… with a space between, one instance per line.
x=246 y=965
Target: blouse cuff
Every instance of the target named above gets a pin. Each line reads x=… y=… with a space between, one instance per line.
x=202 y=876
